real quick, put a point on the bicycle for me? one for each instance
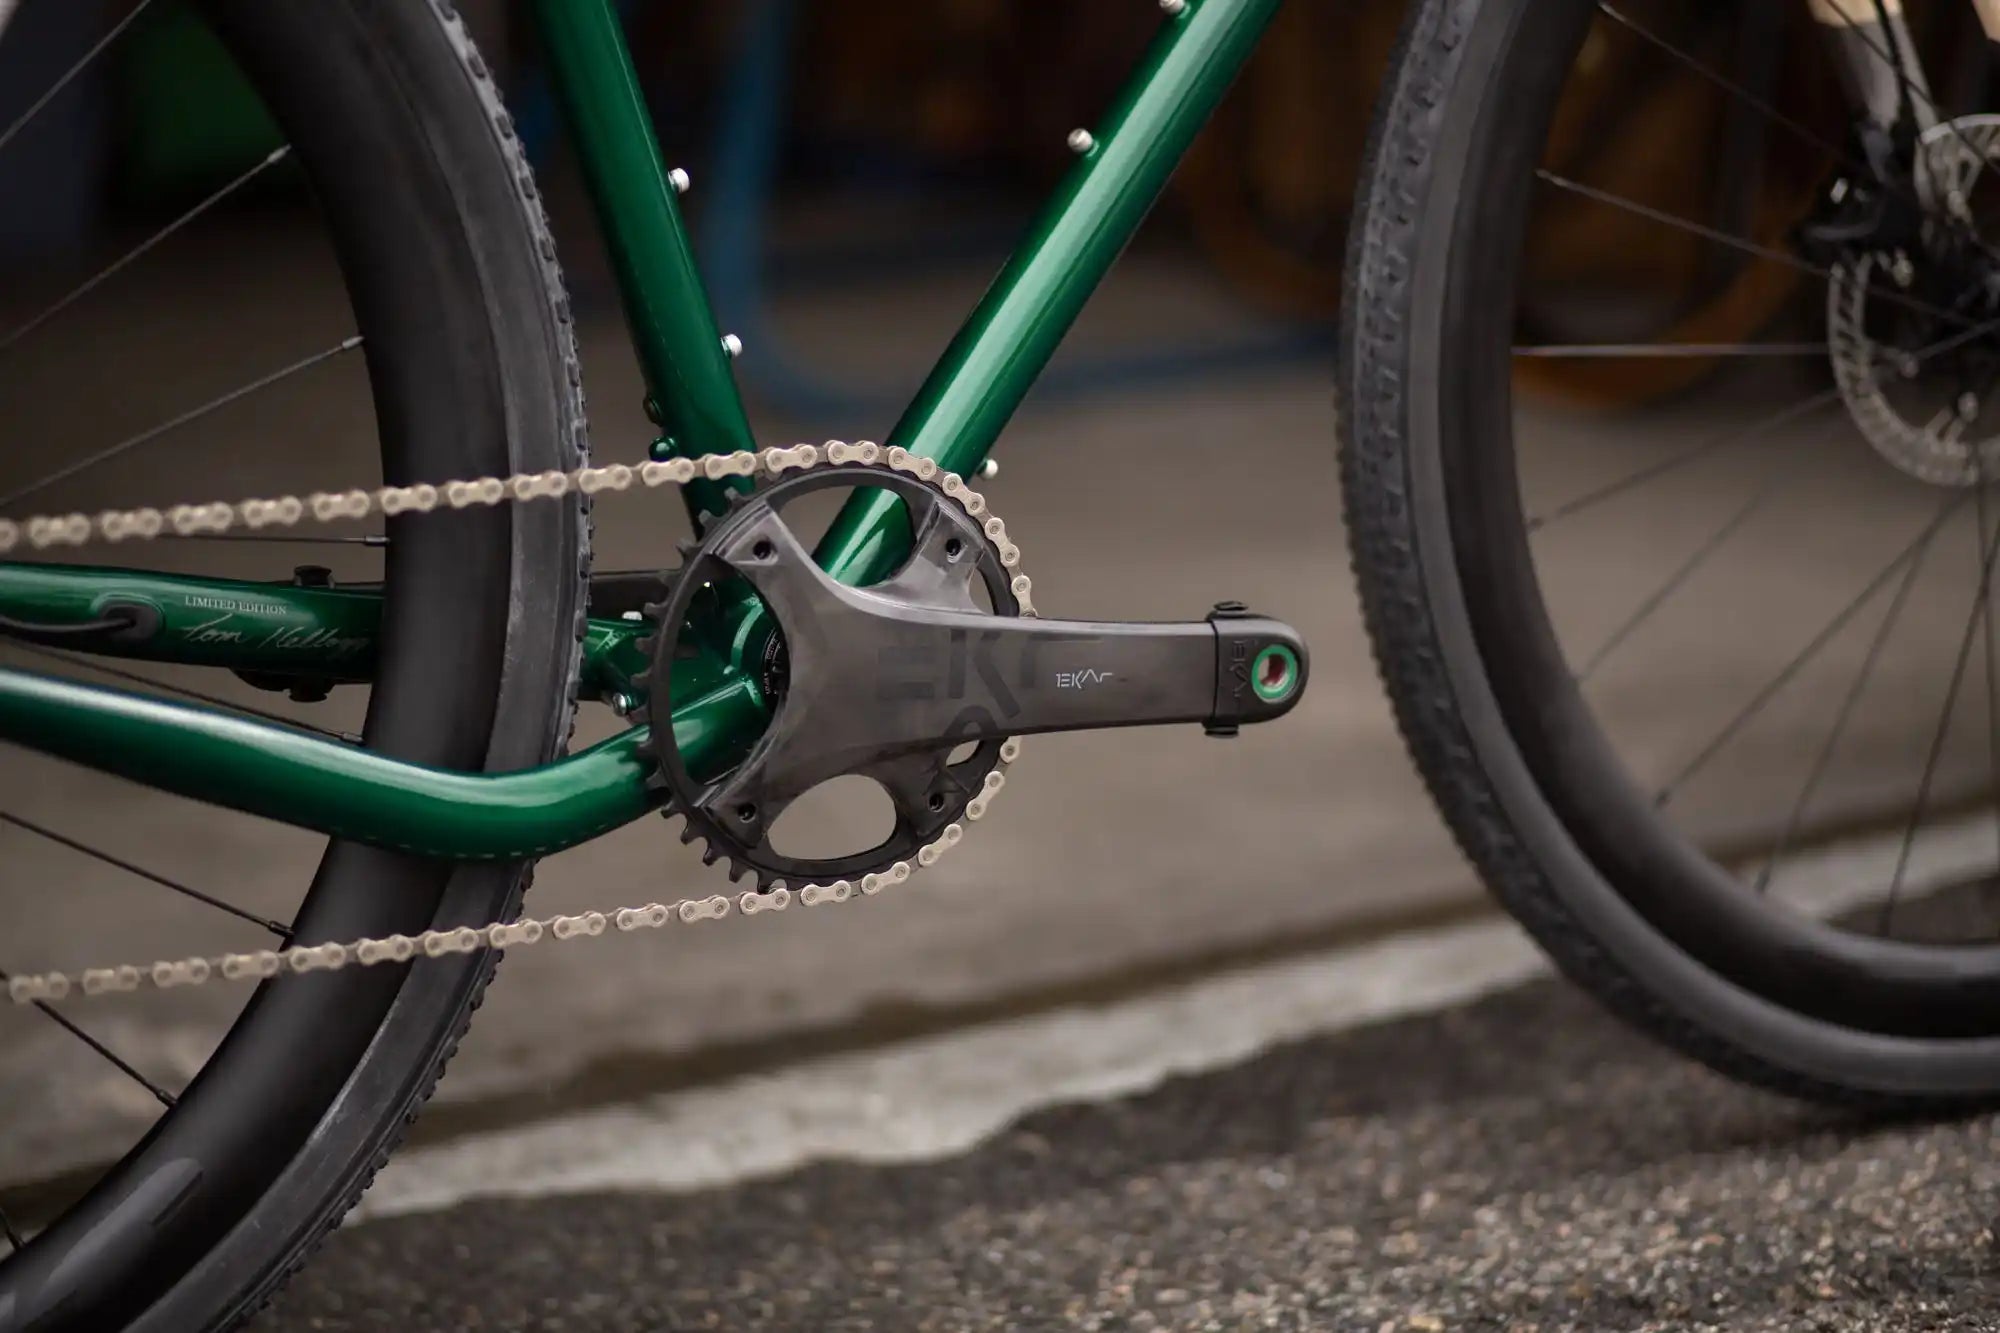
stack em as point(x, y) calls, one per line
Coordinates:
point(904, 647)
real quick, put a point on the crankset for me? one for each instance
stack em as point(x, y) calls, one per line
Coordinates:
point(923, 682)
point(920, 680)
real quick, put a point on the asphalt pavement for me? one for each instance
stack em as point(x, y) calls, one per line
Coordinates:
point(1519, 1163)
point(1513, 1164)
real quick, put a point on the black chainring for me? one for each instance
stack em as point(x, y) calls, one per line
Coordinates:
point(929, 792)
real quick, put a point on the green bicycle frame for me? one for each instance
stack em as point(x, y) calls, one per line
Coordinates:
point(327, 635)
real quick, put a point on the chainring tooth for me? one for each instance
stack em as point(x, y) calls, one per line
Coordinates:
point(756, 857)
point(774, 890)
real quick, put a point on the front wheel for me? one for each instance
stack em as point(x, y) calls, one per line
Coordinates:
point(1653, 665)
point(408, 229)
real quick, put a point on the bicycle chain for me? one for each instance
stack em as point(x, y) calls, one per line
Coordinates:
point(142, 524)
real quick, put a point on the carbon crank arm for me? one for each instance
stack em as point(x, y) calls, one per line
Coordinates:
point(959, 677)
point(873, 675)
point(885, 680)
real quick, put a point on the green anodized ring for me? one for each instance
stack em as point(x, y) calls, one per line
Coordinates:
point(1275, 673)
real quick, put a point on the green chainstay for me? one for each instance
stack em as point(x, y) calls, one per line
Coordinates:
point(141, 524)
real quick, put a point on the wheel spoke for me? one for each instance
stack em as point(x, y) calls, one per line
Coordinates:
point(1911, 89)
point(1989, 546)
point(69, 1025)
point(1730, 86)
point(1797, 127)
point(1734, 242)
point(193, 414)
point(1771, 487)
point(89, 664)
point(1859, 685)
point(1636, 351)
point(1992, 672)
point(1826, 634)
point(1759, 430)
point(41, 831)
point(103, 275)
point(1955, 341)
point(1702, 448)
point(69, 75)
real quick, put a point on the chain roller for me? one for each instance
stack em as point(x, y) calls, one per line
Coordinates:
point(143, 524)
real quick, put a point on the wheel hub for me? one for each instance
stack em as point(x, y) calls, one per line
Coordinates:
point(1907, 332)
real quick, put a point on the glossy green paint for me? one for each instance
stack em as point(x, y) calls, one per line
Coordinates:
point(345, 791)
point(274, 628)
point(959, 413)
point(692, 389)
point(1001, 350)
point(719, 713)
point(613, 660)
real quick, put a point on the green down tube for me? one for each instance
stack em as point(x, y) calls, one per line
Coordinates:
point(1004, 345)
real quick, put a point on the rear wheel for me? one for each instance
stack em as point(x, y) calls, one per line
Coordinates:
point(457, 305)
point(1652, 663)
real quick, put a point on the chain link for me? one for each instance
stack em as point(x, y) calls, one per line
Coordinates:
point(127, 525)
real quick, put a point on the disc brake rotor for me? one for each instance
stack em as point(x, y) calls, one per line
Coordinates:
point(1915, 395)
